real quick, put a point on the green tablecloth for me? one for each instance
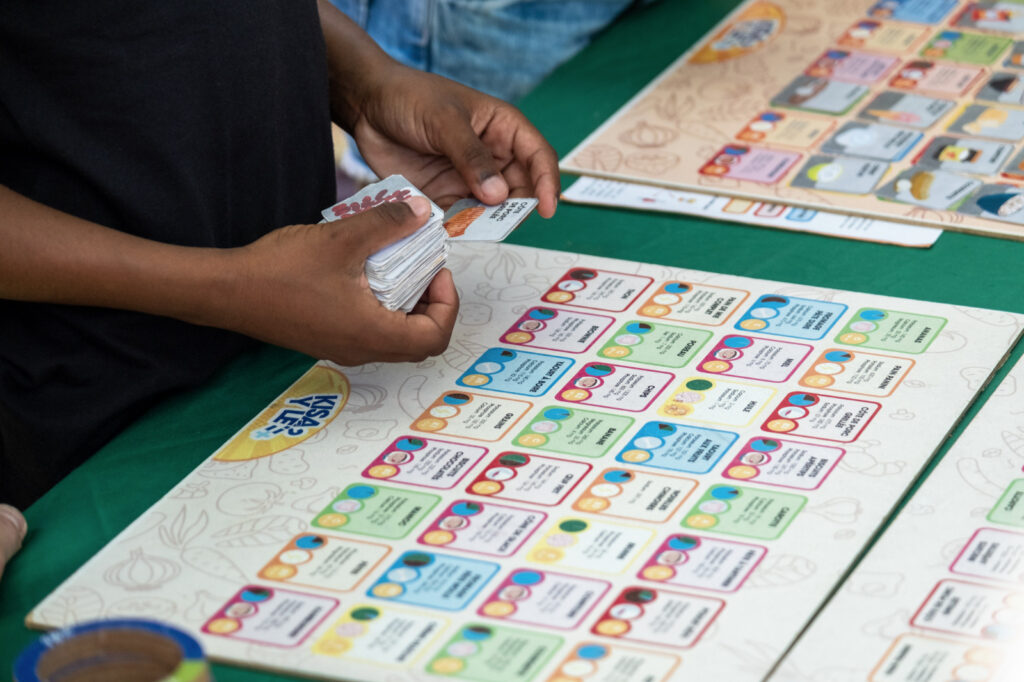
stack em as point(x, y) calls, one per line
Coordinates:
point(74, 520)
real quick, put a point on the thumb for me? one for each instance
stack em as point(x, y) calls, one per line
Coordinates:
point(474, 162)
point(387, 224)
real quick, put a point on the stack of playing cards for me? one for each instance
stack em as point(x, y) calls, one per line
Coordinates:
point(401, 272)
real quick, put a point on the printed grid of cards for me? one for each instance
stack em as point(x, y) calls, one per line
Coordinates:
point(954, 108)
point(755, 398)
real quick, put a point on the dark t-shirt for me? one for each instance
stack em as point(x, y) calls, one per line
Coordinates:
point(193, 122)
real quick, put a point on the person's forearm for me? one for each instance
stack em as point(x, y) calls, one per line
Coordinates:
point(354, 62)
point(51, 256)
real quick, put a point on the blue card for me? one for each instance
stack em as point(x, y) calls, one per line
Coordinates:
point(515, 371)
point(677, 447)
point(798, 318)
point(916, 11)
point(436, 581)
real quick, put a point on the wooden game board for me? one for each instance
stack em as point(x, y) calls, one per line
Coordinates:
point(909, 110)
point(616, 471)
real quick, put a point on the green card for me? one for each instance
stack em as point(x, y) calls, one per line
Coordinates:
point(652, 343)
point(490, 653)
point(748, 512)
point(1009, 510)
point(891, 330)
point(376, 511)
point(966, 48)
point(573, 432)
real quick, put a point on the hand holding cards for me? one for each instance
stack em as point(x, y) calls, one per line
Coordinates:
point(401, 272)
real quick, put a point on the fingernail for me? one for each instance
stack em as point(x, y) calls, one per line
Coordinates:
point(419, 206)
point(494, 186)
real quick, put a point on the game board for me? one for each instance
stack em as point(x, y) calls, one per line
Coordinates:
point(941, 595)
point(617, 471)
point(907, 110)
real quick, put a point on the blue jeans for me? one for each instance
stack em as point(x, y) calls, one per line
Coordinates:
point(502, 47)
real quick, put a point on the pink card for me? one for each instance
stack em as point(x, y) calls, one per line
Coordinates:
point(851, 66)
point(742, 162)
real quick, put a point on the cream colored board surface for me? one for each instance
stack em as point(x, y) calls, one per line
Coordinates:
point(866, 632)
point(210, 535)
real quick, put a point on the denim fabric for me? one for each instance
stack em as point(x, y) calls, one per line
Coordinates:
point(502, 47)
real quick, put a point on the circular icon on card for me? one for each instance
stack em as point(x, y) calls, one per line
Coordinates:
point(382, 471)
point(802, 399)
point(386, 590)
point(677, 287)
point(347, 506)
point(763, 313)
point(753, 325)
point(559, 297)
point(648, 442)
point(701, 521)
point(605, 490)
point(574, 395)
point(863, 326)
point(240, 609)
point(332, 520)
point(447, 665)
point(560, 540)
point(625, 611)
point(672, 557)
point(446, 411)
point(666, 299)
point(852, 338)
point(402, 574)
point(223, 626)
point(792, 412)
point(571, 285)
point(500, 473)
point(397, 457)
point(486, 488)
point(657, 573)
point(715, 366)
point(611, 628)
point(655, 310)
point(780, 425)
point(713, 506)
point(742, 472)
point(518, 337)
point(627, 339)
point(437, 537)
point(294, 556)
point(754, 458)
point(594, 505)
point(577, 669)
point(350, 629)
point(817, 381)
point(635, 456)
point(498, 609)
point(278, 572)
point(532, 440)
point(430, 424)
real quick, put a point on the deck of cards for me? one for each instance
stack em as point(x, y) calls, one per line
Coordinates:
point(400, 272)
